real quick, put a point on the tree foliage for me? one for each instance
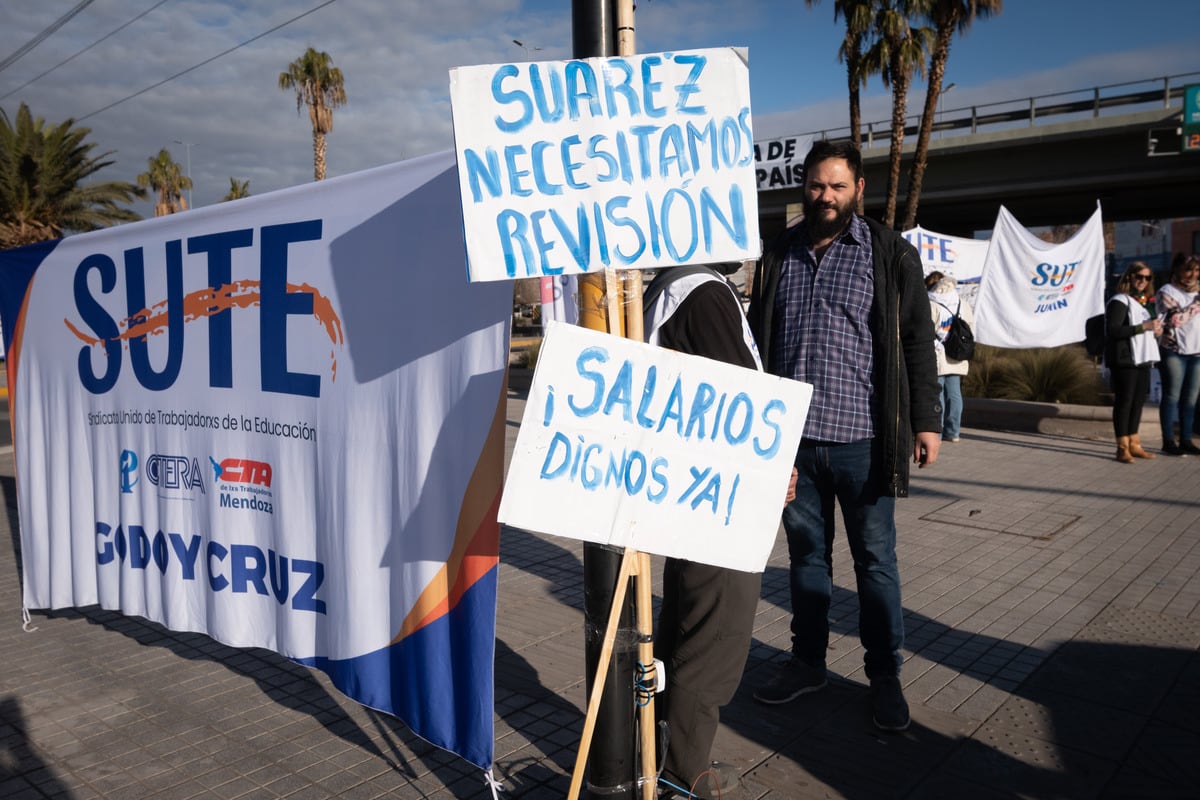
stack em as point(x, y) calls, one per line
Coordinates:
point(898, 51)
point(237, 190)
point(947, 17)
point(319, 85)
point(859, 16)
point(165, 177)
point(44, 193)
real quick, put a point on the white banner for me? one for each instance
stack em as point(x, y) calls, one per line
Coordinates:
point(779, 163)
point(627, 162)
point(278, 421)
point(959, 258)
point(1038, 294)
point(632, 445)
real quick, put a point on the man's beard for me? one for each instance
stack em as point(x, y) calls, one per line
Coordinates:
point(822, 227)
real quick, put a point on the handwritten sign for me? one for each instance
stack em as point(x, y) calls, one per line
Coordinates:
point(631, 162)
point(637, 446)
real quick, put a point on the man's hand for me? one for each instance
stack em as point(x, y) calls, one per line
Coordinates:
point(791, 492)
point(925, 448)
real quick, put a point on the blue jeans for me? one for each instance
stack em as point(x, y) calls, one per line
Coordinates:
point(952, 404)
point(829, 471)
point(1180, 387)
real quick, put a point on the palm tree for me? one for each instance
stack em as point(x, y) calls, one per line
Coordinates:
point(319, 84)
point(42, 190)
point(858, 15)
point(166, 177)
point(947, 16)
point(237, 190)
point(899, 50)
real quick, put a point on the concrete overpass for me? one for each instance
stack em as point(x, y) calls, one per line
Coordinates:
point(1044, 173)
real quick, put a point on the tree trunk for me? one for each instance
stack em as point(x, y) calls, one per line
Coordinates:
point(899, 102)
point(937, 70)
point(853, 65)
point(318, 155)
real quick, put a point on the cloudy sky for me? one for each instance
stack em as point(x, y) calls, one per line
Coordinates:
point(112, 68)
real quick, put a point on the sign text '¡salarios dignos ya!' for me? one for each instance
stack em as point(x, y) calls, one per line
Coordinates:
point(566, 167)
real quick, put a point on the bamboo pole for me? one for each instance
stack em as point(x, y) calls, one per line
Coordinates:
point(628, 566)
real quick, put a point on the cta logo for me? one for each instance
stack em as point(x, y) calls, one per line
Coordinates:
point(128, 467)
point(243, 484)
point(175, 472)
point(241, 470)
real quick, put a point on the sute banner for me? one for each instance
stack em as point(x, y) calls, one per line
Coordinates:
point(628, 162)
point(627, 444)
point(279, 422)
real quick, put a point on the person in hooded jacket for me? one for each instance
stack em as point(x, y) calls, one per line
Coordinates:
point(944, 304)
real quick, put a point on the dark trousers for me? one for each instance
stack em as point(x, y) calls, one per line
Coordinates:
point(1130, 386)
point(704, 625)
point(842, 472)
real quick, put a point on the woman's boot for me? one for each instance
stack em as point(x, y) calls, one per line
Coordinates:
point(1123, 450)
point(1135, 447)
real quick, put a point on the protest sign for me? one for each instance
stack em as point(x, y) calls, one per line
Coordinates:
point(628, 162)
point(279, 422)
point(779, 163)
point(627, 444)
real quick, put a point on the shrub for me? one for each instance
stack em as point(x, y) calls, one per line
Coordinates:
point(530, 355)
point(1041, 374)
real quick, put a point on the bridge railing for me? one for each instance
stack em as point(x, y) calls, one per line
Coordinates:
point(1165, 92)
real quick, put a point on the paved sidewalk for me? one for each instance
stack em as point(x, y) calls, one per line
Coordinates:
point(1053, 604)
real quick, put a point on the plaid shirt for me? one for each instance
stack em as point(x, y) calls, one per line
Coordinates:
point(822, 316)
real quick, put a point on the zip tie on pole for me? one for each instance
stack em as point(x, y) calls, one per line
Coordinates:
point(490, 781)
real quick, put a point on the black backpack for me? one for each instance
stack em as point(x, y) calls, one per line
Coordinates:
point(1093, 335)
point(960, 339)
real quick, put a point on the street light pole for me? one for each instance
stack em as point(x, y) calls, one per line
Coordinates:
point(524, 47)
point(188, 147)
point(941, 103)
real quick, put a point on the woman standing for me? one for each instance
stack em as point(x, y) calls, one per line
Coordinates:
point(1129, 350)
point(944, 304)
point(1179, 307)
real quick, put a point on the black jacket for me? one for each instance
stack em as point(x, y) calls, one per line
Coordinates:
point(906, 388)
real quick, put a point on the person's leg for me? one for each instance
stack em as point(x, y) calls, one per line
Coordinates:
point(871, 533)
point(808, 523)
point(1188, 393)
point(1140, 389)
point(705, 627)
point(952, 402)
point(1122, 380)
point(1171, 371)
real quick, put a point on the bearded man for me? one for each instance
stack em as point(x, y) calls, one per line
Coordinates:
point(839, 302)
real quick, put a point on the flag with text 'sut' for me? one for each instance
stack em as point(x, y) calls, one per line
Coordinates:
point(628, 162)
point(1036, 293)
point(279, 422)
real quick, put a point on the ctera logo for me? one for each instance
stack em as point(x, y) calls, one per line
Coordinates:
point(174, 472)
point(241, 470)
point(129, 465)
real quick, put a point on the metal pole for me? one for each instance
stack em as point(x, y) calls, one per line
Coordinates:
point(612, 758)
